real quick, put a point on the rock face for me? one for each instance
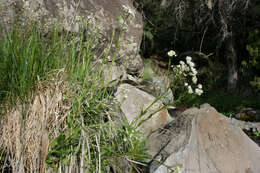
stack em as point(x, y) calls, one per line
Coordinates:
point(6, 16)
point(116, 22)
point(158, 86)
point(112, 73)
point(133, 101)
point(204, 141)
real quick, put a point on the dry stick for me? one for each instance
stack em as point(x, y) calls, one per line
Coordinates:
point(83, 152)
point(89, 156)
point(69, 168)
point(60, 169)
point(99, 153)
point(135, 162)
point(202, 39)
point(22, 140)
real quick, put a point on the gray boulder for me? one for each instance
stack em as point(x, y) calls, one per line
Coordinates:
point(134, 101)
point(203, 140)
point(158, 86)
point(112, 74)
point(115, 22)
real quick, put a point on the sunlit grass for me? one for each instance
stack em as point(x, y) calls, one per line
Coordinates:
point(53, 75)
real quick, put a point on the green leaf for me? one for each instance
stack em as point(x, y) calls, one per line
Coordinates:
point(149, 35)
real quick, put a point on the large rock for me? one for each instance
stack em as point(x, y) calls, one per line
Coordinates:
point(134, 101)
point(203, 140)
point(156, 81)
point(158, 87)
point(110, 19)
point(112, 74)
point(6, 16)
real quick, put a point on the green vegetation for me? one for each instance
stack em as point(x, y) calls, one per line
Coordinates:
point(224, 102)
point(223, 41)
point(252, 64)
point(26, 58)
point(90, 137)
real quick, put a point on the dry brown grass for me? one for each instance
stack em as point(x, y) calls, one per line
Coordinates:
point(26, 130)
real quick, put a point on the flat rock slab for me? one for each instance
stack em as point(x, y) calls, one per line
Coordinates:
point(211, 144)
point(134, 101)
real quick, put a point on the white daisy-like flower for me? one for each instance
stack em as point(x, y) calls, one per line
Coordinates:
point(182, 63)
point(188, 58)
point(190, 91)
point(191, 64)
point(194, 79)
point(171, 53)
point(198, 91)
point(187, 68)
point(183, 67)
point(194, 71)
point(199, 86)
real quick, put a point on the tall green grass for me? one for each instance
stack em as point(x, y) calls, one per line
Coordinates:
point(94, 138)
point(27, 56)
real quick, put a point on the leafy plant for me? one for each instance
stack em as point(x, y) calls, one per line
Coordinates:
point(184, 81)
point(256, 133)
point(252, 64)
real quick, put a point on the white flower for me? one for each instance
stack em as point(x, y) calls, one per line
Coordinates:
point(185, 84)
point(190, 91)
point(187, 68)
point(188, 59)
point(194, 79)
point(181, 62)
point(178, 66)
point(194, 71)
point(191, 64)
point(199, 86)
point(183, 67)
point(198, 91)
point(171, 53)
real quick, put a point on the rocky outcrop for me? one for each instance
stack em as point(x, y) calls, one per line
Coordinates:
point(142, 108)
point(159, 87)
point(204, 141)
point(115, 22)
point(112, 74)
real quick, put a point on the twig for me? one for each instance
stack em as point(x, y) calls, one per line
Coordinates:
point(202, 39)
point(139, 163)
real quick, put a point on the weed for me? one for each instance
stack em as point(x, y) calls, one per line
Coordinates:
point(57, 113)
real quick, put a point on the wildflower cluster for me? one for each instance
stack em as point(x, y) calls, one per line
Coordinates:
point(184, 72)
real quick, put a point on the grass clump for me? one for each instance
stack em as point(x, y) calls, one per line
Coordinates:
point(57, 114)
point(26, 56)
